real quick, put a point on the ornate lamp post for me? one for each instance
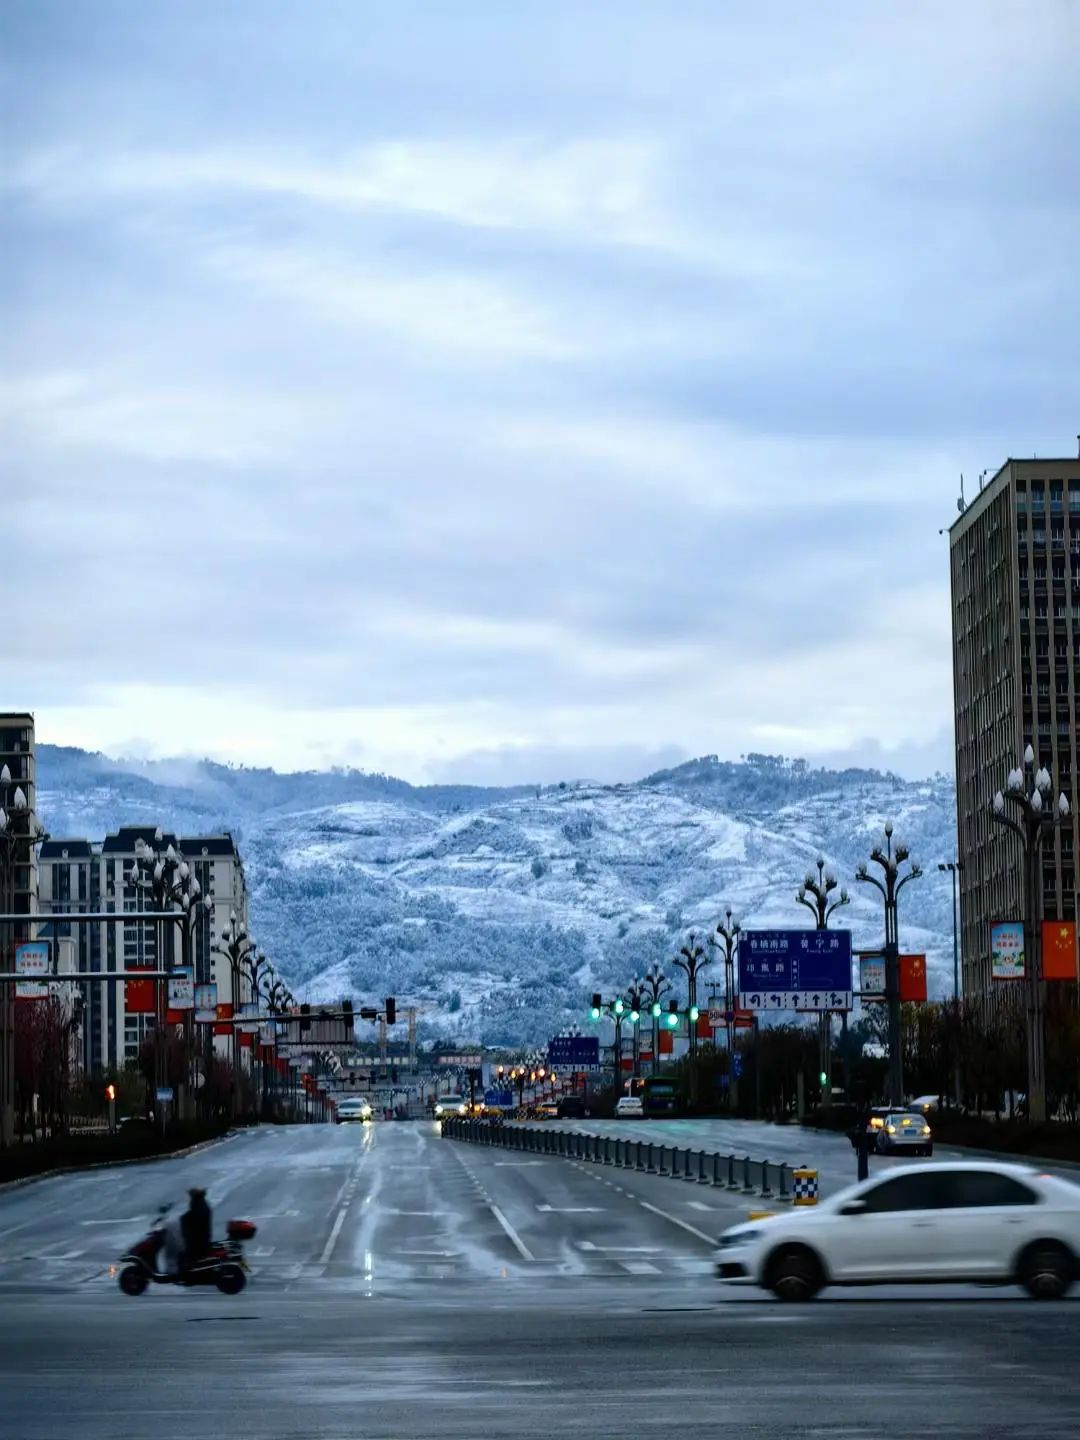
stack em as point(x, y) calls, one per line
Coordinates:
point(655, 985)
point(235, 947)
point(814, 894)
point(692, 959)
point(1025, 808)
point(726, 939)
point(889, 859)
point(636, 998)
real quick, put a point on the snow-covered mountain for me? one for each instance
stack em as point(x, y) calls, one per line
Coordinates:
point(498, 911)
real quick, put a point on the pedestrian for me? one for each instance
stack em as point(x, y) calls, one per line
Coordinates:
point(861, 1136)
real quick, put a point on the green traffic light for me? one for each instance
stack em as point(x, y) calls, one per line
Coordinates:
point(694, 1013)
point(673, 1021)
point(656, 1009)
point(823, 1078)
point(635, 1016)
point(595, 1013)
point(619, 1007)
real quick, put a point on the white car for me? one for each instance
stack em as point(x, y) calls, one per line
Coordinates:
point(355, 1111)
point(447, 1107)
point(629, 1107)
point(986, 1222)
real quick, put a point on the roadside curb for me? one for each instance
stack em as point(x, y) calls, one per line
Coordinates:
point(115, 1164)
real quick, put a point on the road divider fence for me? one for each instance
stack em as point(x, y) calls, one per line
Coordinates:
point(721, 1170)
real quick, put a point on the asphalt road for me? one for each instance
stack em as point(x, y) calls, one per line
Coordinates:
point(408, 1286)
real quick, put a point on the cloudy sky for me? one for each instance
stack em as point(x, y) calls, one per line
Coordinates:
point(515, 391)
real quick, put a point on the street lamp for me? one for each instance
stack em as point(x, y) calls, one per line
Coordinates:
point(814, 894)
point(636, 998)
point(889, 859)
point(655, 985)
point(235, 947)
point(954, 868)
point(1034, 816)
point(692, 959)
point(726, 939)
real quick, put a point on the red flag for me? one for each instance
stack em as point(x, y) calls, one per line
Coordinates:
point(223, 1026)
point(139, 994)
point(667, 1042)
point(913, 978)
point(1059, 949)
point(704, 1029)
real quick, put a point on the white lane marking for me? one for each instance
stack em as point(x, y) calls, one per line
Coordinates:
point(444, 1254)
point(571, 1209)
point(328, 1249)
point(53, 1255)
point(514, 1164)
point(620, 1249)
point(390, 1210)
point(640, 1267)
point(264, 1251)
point(135, 1220)
point(700, 1205)
point(519, 1244)
point(25, 1223)
point(682, 1224)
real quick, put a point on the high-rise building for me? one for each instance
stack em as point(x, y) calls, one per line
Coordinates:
point(77, 875)
point(17, 754)
point(1015, 565)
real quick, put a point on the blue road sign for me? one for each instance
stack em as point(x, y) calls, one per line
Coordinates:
point(579, 1050)
point(795, 970)
point(505, 1098)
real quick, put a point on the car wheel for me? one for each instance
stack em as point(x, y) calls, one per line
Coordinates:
point(1046, 1270)
point(795, 1274)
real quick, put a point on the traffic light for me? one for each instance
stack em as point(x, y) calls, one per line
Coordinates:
point(110, 1092)
point(368, 1012)
point(823, 1078)
point(619, 1007)
point(694, 1013)
point(656, 1008)
point(635, 1016)
point(391, 1010)
point(597, 1005)
point(671, 1019)
point(305, 1019)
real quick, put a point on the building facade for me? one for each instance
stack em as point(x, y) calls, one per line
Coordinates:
point(1015, 574)
point(77, 875)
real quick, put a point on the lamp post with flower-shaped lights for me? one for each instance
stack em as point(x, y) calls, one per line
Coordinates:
point(20, 833)
point(814, 893)
point(1025, 807)
point(889, 858)
point(279, 998)
point(166, 879)
point(258, 969)
point(691, 960)
point(636, 997)
point(655, 985)
point(235, 946)
point(725, 937)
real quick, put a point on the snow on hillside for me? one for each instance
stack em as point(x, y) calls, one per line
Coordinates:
point(499, 911)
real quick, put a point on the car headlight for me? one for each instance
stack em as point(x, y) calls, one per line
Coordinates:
point(740, 1238)
point(890, 1129)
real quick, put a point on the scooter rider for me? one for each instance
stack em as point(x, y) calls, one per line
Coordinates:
point(195, 1224)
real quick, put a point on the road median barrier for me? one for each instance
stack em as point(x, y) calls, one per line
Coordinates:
point(770, 1180)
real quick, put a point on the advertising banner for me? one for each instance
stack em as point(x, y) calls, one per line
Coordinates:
point(268, 1035)
point(182, 988)
point(248, 1018)
point(872, 976)
point(1007, 950)
point(206, 1004)
point(223, 1024)
point(1059, 949)
point(32, 958)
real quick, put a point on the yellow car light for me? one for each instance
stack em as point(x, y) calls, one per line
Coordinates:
point(890, 1129)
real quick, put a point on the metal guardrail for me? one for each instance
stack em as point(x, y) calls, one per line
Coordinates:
point(765, 1179)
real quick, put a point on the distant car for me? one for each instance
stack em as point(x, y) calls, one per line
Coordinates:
point(134, 1124)
point(356, 1112)
point(904, 1133)
point(450, 1107)
point(549, 1110)
point(629, 1107)
point(978, 1221)
point(925, 1103)
point(572, 1107)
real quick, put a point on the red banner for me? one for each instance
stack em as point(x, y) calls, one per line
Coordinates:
point(704, 1029)
point(223, 1025)
point(282, 1067)
point(913, 978)
point(1059, 949)
point(139, 994)
point(667, 1042)
point(246, 1040)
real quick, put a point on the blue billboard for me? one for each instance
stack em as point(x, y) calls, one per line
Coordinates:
point(795, 970)
point(580, 1051)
